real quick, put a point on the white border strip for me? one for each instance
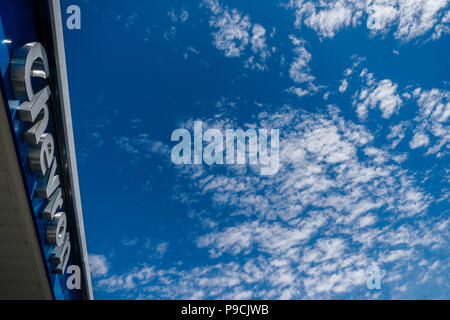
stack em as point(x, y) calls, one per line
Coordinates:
point(60, 56)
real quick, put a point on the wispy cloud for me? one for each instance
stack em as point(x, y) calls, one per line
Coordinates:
point(98, 264)
point(311, 230)
point(234, 34)
point(432, 120)
point(346, 194)
point(377, 94)
point(181, 15)
point(409, 19)
point(129, 242)
point(300, 71)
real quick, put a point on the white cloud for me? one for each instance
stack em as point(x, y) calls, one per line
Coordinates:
point(308, 231)
point(443, 27)
point(382, 95)
point(181, 15)
point(326, 18)
point(419, 140)
point(98, 264)
point(258, 39)
point(428, 123)
point(349, 72)
point(271, 238)
point(190, 51)
point(432, 120)
point(129, 242)
point(343, 86)
point(338, 203)
point(381, 15)
point(161, 248)
point(170, 34)
point(138, 276)
point(232, 36)
point(235, 33)
point(130, 20)
point(142, 145)
point(300, 71)
point(418, 17)
point(396, 255)
point(397, 133)
point(409, 18)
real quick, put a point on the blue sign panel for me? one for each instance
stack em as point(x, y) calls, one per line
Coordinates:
point(35, 137)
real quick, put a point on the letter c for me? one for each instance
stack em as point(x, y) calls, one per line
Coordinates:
point(28, 61)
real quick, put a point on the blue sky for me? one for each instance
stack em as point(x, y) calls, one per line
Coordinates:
point(359, 91)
